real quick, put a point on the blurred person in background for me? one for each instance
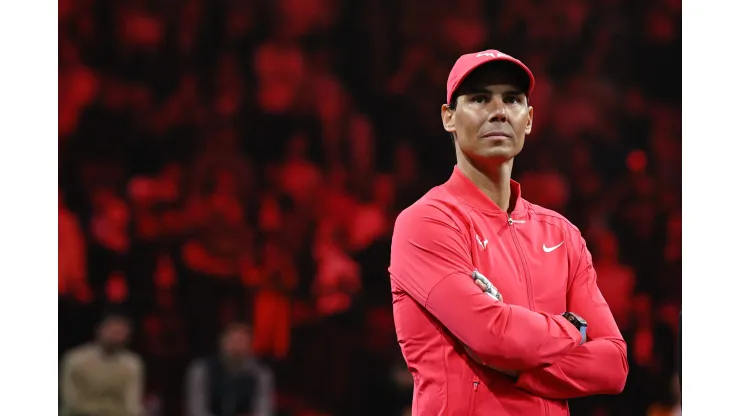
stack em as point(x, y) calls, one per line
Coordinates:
point(103, 378)
point(299, 176)
point(616, 280)
point(276, 280)
point(370, 217)
point(335, 289)
point(164, 341)
point(220, 243)
point(524, 356)
point(652, 352)
point(337, 280)
point(231, 383)
point(110, 242)
point(667, 285)
point(409, 178)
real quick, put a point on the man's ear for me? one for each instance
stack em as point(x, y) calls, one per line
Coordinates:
point(448, 118)
point(530, 117)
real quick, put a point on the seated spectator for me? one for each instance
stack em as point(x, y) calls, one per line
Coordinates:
point(232, 383)
point(103, 378)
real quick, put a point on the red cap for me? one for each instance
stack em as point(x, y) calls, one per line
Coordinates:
point(467, 63)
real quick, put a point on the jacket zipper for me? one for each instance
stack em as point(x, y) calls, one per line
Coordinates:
point(471, 409)
point(530, 294)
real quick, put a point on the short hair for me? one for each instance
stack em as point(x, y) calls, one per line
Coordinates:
point(112, 316)
point(236, 327)
point(453, 100)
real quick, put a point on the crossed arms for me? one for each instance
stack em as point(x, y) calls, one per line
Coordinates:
point(430, 261)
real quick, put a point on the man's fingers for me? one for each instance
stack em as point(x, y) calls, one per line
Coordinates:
point(485, 285)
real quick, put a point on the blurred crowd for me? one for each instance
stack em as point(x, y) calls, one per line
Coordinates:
point(232, 161)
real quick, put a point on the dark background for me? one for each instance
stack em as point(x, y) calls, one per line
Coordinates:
point(225, 160)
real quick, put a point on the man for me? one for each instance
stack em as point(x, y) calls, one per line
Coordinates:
point(231, 384)
point(470, 352)
point(103, 378)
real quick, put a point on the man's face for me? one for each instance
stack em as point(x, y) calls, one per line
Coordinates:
point(114, 333)
point(236, 344)
point(492, 114)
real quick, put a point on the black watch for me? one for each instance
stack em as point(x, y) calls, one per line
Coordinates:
point(577, 322)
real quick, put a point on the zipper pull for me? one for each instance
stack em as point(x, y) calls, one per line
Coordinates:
point(511, 221)
point(475, 385)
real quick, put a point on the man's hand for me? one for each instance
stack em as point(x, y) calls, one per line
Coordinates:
point(486, 286)
point(481, 285)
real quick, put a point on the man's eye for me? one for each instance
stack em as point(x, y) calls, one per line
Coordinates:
point(512, 99)
point(480, 99)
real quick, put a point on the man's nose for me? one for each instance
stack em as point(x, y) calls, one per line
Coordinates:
point(497, 110)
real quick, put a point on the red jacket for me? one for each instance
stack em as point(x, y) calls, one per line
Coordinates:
point(540, 264)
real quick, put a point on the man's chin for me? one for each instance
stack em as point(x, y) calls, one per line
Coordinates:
point(498, 154)
point(112, 349)
point(499, 148)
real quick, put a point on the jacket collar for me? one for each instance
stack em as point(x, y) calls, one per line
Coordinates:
point(462, 188)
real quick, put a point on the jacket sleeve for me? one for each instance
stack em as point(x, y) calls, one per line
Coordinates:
point(599, 366)
point(430, 262)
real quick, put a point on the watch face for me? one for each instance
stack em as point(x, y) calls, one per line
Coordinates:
point(576, 319)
